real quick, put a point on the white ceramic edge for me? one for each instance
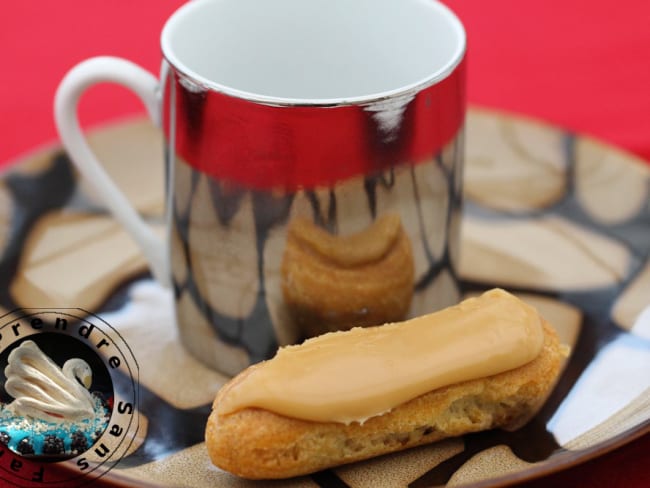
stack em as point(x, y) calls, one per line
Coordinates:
point(432, 79)
point(142, 83)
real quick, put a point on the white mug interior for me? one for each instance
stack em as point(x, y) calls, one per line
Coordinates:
point(314, 51)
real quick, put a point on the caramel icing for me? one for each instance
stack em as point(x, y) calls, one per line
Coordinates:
point(363, 372)
point(354, 250)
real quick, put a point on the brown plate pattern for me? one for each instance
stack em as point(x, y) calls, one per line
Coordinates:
point(561, 220)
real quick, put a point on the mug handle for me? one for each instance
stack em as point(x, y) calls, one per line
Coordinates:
point(145, 85)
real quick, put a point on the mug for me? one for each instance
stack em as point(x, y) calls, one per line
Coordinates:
point(313, 156)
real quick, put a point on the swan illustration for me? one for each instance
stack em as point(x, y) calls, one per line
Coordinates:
point(43, 390)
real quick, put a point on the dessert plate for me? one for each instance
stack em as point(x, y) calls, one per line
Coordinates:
point(563, 221)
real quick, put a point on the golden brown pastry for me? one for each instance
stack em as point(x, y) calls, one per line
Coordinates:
point(495, 357)
point(332, 282)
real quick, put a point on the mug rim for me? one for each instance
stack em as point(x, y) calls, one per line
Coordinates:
point(432, 79)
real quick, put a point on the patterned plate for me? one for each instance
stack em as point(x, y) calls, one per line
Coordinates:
point(561, 220)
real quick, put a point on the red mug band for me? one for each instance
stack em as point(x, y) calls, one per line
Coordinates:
point(264, 146)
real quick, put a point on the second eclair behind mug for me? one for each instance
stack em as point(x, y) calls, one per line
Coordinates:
point(314, 154)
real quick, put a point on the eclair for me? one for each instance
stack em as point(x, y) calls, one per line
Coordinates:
point(333, 282)
point(487, 362)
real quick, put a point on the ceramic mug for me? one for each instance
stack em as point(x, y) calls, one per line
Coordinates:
point(314, 153)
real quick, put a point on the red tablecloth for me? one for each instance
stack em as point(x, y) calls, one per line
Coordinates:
point(582, 64)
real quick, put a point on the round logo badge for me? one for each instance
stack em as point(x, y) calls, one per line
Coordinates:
point(68, 397)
